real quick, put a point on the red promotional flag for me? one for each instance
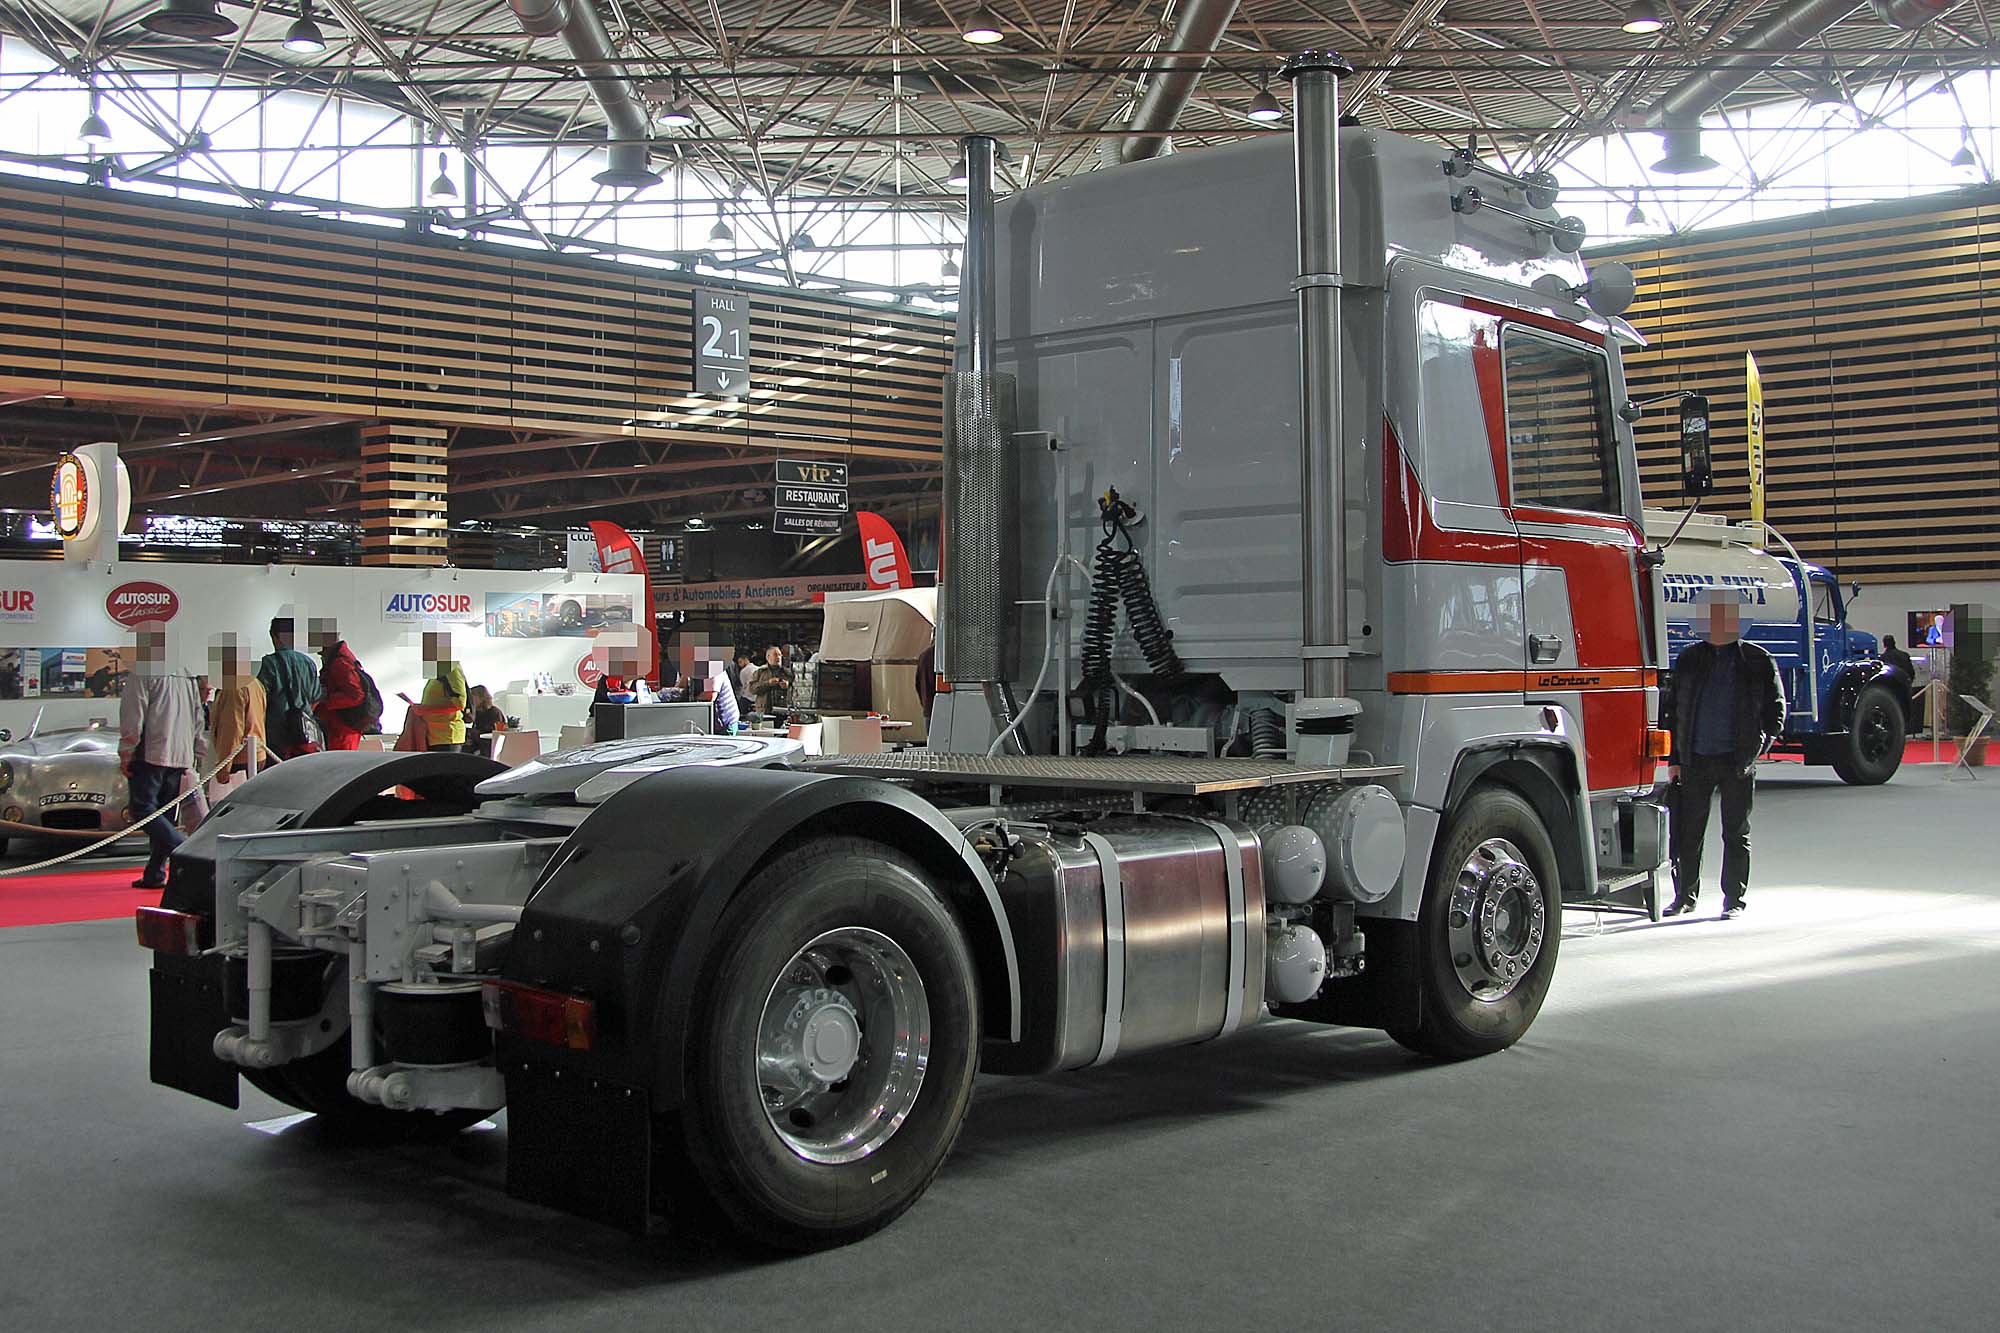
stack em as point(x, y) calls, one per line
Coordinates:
point(617, 553)
point(882, 557)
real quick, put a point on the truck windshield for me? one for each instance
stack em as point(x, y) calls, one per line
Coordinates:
point(1558, 424)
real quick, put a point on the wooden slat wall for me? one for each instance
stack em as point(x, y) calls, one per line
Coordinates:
point(1879, 345)
point(122, 297)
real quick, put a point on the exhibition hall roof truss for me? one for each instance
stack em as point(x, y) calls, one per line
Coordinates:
point(794, 135)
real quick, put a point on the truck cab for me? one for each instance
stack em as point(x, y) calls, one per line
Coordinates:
point(1845, 706)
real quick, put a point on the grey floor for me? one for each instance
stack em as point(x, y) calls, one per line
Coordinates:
point(1790, 1121)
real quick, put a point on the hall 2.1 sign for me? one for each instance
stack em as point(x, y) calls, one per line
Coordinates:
point(721, 342)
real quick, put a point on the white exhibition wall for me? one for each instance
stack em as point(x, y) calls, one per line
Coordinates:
point(506, 626)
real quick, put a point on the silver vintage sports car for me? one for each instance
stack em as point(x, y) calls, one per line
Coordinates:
point(63, 784)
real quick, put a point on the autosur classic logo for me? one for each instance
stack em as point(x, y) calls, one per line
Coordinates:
point(431, 607)
point(133, 604)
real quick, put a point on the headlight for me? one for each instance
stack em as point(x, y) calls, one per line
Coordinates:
point(6, 775)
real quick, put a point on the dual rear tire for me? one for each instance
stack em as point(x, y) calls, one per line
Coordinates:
point(835, 1039)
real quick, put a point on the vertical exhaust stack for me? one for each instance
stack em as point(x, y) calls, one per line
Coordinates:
point(1322, 717)
point(975, 639)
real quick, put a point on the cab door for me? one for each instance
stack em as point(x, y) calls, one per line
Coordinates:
point(1569, 490)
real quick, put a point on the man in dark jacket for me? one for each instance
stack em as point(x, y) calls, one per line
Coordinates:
point(1906, 677)
point(291, 688)
point(1726, 705)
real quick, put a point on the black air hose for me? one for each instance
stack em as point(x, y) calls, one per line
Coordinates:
point(1156, 641)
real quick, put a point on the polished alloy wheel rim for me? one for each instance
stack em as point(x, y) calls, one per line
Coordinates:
point(842, 1045)
point(1497, 920)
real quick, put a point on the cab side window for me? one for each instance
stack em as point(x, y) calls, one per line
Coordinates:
point(1826, 610)
point(1561, 449)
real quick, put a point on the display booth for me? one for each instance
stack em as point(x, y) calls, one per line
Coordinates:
point(889, 632)
point(66, 629)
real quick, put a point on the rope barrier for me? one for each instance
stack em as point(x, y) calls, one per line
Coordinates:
point(125, 832)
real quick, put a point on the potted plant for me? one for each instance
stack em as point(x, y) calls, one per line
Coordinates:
point(1971, 674)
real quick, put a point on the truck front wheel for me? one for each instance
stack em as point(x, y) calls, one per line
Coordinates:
point(836, 1036)
point(1872, 749)
point(1487, 930)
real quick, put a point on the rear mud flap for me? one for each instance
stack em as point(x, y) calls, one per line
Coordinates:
point(188, 1010)
point(580, 1144)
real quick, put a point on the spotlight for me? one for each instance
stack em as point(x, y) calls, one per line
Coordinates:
point(982, 29)
point(679, 111)
point(1642, 18)
point(1265, 108)
point(1684, 156)
point(1826, 89)
point(94, 131)
point(959, 176)
point(304, 36)
point(804, 241)
point(442, 188)
point(188, 18)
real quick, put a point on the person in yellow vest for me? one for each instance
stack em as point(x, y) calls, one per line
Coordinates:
point(442, 706)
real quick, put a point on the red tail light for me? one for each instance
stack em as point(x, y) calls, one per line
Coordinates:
point(164, 931)
point(540, 1015)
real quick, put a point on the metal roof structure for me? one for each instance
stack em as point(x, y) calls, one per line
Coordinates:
point(832, 104)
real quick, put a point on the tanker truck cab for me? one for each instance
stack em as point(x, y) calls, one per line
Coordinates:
point(1845, 706)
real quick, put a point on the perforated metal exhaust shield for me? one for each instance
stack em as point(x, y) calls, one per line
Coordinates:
point(979, 581)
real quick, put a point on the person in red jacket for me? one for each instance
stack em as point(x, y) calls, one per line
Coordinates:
point(340, 689)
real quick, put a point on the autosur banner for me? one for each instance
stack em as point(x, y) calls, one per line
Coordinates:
point(883, 559)
point(617, 553)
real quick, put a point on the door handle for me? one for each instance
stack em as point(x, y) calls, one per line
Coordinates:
point(1544, 648)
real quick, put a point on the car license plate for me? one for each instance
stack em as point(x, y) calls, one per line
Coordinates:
point(74, 798)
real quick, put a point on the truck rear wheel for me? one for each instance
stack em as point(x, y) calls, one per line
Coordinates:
point(1487, 930)
point(835, 1038)
point(1872, 750)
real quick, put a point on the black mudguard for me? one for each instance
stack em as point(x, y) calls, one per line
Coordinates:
point(627, 915)
point(1847, 687)
point(314, 791)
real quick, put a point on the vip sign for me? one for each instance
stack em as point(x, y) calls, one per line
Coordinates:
point(428, 608)
point(17, 604)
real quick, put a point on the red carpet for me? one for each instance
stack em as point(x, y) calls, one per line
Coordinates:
point(73, 895)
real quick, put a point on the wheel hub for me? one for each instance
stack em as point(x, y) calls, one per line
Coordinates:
point(1497, 920)
point(842, 1045)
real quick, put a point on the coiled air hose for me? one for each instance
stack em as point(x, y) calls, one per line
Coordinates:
point(1118, 576)
point(1267, 734)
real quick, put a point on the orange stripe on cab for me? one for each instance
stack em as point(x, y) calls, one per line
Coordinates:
point(1499, 682)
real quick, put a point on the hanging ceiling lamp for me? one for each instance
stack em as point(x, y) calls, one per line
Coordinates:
point(93, 131)
point(1965, 157)
point(188, 18)
point(950, 266)
point(1637, 217)
point(304, 36)
point(679, 111)
point(1642, 18)
point(442, 188)
point(1264, 108)
point(721, 233)
point(982, 29)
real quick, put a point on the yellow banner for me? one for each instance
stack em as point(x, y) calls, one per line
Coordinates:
point(1753, 387)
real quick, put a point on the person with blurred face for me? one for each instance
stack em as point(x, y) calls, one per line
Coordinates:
point(341, 692)
point(771, 683)
point(291, 689)
point(442, 706)
point(1724, 708)
point(235, 715)
point(157, 719)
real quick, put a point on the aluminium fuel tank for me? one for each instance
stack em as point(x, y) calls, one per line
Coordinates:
point(1133, 933)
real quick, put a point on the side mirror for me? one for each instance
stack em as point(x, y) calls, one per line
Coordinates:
point(1629, 412)
point(1697, 466)
point(1854, 590)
